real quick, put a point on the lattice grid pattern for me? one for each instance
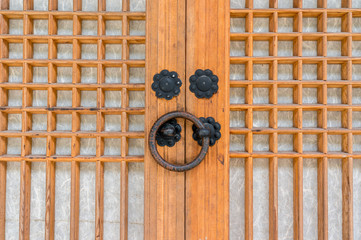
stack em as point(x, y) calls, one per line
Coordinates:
point(295, 118)
point(72, 84)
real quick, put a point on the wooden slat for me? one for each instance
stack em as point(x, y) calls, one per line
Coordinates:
point(273, 198)
point(298, 198)
point(4, 4)
point(50, 201)
point(99, 201)
point(2, 198)
point(164, 190)
point(74, 204)
point(248, 199)
point(347, 199)
point(124, 201)
point(322, 196)
point(24, 212)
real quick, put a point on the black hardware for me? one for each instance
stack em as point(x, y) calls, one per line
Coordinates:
point(169, 133)
point(166, 84)
point(203, 83)
point(213, 132)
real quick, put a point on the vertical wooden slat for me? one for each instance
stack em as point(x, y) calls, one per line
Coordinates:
point(273, 198)
point(99, 200)
point(322, 203)
point(74, 205)
point(50, 201)
point(124, 201)
point(2, 198)
point(248, 199)
point(164, 190)
point(298, 198)
point(347, 199)
point(24, 212)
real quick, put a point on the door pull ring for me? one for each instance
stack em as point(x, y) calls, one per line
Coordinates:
point(163, 130)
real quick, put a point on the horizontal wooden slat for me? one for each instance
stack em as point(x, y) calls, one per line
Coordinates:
point(34, 158)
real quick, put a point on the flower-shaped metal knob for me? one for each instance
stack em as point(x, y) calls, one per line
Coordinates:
point(203, 83)
point(213, 132)
point(166, 84)
point(169, 133)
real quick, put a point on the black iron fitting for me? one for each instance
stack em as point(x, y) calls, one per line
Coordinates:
point(169, 133)
point(211, 130)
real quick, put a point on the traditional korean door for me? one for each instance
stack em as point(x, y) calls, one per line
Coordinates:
point(287, 164)
point(184, 36)
point(89, 88)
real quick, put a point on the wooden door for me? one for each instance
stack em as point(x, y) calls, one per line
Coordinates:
point(288, 73)
point(76, 109)
point(184, 36)
point(72, 107)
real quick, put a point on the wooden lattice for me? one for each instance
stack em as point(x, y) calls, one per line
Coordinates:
point(323, 69)
point(121, 98)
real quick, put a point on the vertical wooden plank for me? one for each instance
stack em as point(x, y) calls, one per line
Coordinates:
point(99, 200)
point(124, 201)
point(298, 198)
point(24, 211)
point(273, 198)
point(164, 190)
point(74, 204)
point(322, 198)
point(249, 199)
point(2, 199)
point(207, 184)
point(347, 199)
point(50, 201)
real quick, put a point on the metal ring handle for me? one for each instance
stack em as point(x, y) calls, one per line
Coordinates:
point(153, 146)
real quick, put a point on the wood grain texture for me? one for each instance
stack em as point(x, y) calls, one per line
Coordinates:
point(50, 201)
point(164, 190)
point(124, 201)
point(347, 199)
point(74, 204)
point(322, 196)
point(2, 199)
point(207, 185)
point(99, 201)
point(248, 199)
point(24, 211)
point(298, 198)
point(273, 198)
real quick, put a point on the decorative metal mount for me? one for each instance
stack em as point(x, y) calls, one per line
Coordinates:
point(166, 84)
point(169, 133)
point(153, 146)
point(213, 132)
point(203, 83)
